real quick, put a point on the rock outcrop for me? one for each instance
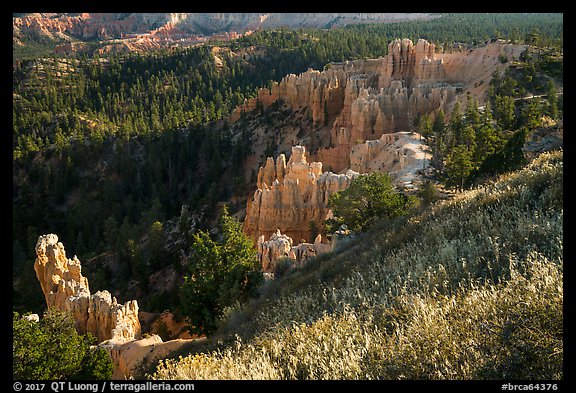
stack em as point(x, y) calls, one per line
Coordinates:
point(291, 195)
point(403, 155)
point(84, 26)
point(548, 137)
point(271, 250)
point(66, 289)
point(128, 357)
point(116, 326)
point(281, 246)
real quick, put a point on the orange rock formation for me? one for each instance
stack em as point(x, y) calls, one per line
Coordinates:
point(363, 99)
point(66, 289)
point(290, 195)
point(362, 111)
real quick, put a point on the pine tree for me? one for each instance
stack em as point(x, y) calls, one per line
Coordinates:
point(220, 274)
point(468, 138)
point(456, 126)
point(472, 113)
point(458, 165)
point(487, 138)
point(551, 92)
point(425, 126)
point(531, 114)
point(504, 111)
point(155, 246)
point(438, 144)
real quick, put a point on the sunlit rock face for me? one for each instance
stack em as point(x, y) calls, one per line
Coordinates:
point(66, 289)
point(362, 100)
point(291, 195)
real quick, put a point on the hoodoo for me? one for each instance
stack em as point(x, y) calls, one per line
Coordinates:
point(363, 113)
point(364, 99)
point(66, 289)
point(291, 195)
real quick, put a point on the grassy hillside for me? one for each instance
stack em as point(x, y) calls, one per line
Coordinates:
point(468, 289)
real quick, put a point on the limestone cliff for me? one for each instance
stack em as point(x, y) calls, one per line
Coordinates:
point(291, 195)
point(66, 289)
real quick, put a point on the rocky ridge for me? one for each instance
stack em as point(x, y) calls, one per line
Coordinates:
point(127, 32)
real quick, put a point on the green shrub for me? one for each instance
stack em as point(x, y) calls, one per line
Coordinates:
point(220, 274)
point(369, 198)
point(52, 349)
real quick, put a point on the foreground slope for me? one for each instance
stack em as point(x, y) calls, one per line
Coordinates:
point(468, 289)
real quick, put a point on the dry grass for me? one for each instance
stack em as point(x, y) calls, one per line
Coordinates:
point(470, 289)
